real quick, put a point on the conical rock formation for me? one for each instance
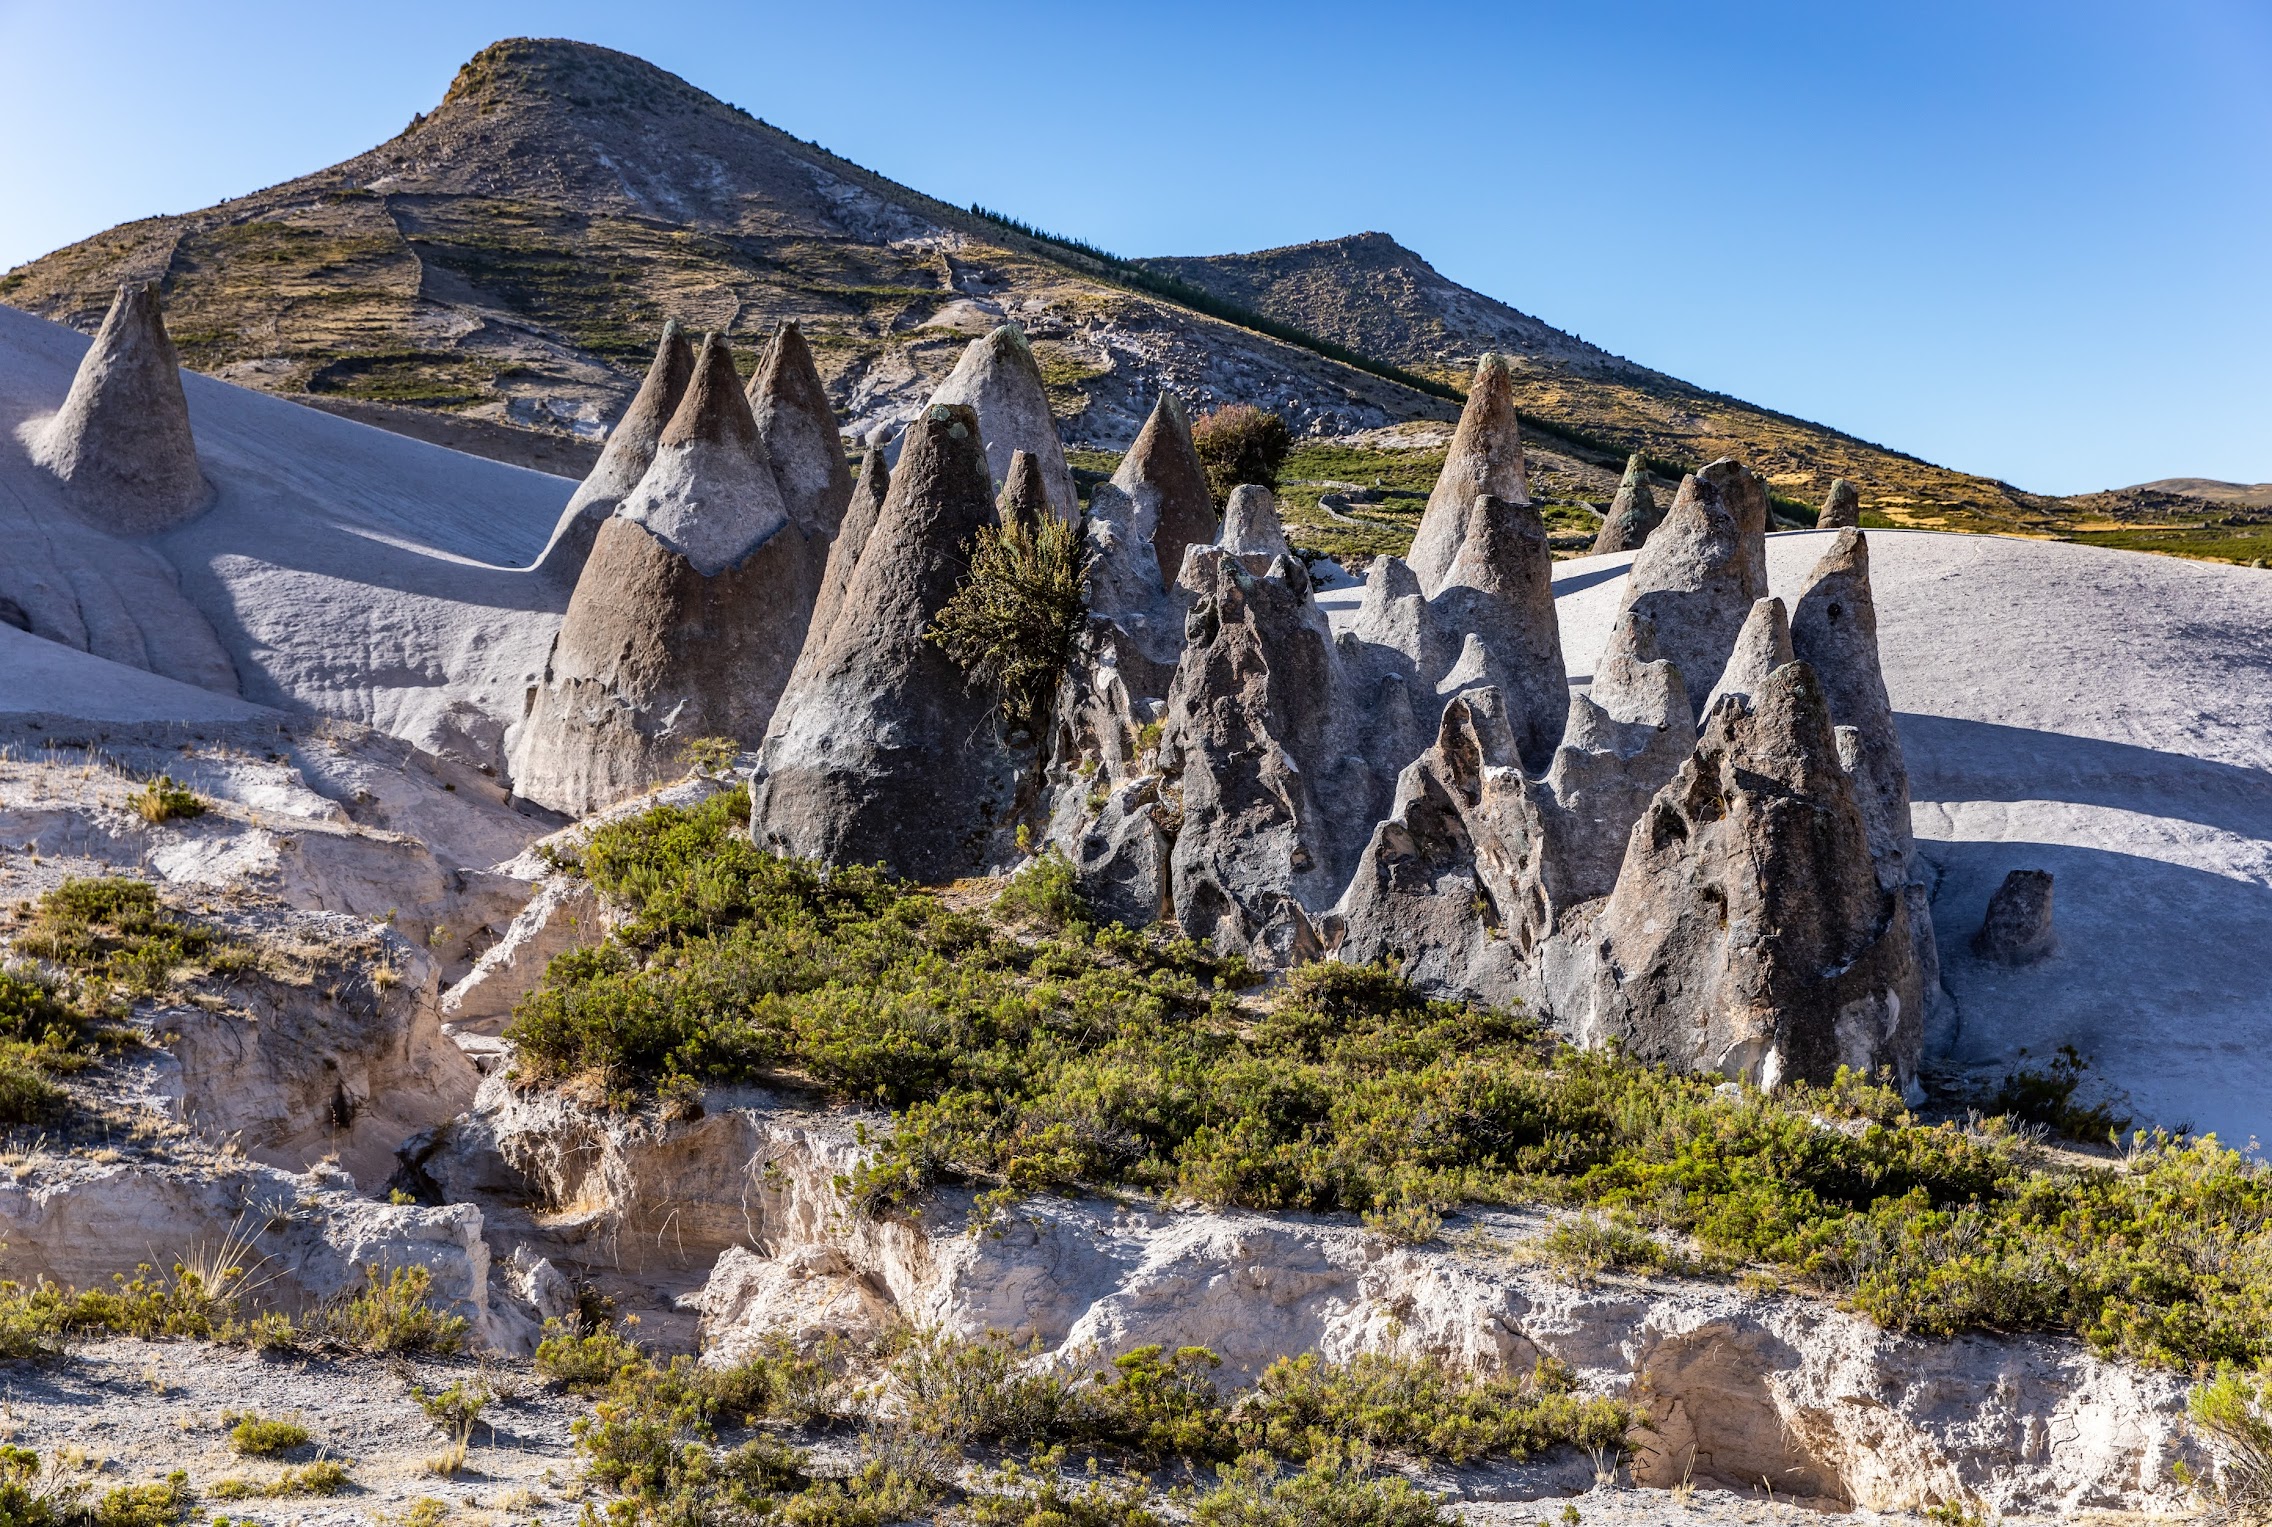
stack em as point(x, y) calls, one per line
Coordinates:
point(1694, 584)
point(121, 443)
point(1748, 935)
point(1633, 513)
point(998, 377)
point(629, 451)
point(1620, 744)
point(1454, 862)
point(1835, 630)
point(1486, 457)
point(1499, 590)
point(883, 752)
point(790, 407)
point(710, 495)
point(1252, 531)
point(1841, 507)
point(1162, 472)
point(687, 619)
point(1762, 646)
point(1025, 496)
point(1744, 494)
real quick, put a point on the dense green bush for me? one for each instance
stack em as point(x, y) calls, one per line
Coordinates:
point(1060, 1061)
point(1240, 444)
point(1011, 625)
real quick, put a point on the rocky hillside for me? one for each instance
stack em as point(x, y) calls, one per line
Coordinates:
point(512, 254)
point(503, 265)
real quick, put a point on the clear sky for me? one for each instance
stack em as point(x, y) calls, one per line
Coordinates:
point(2027, 239)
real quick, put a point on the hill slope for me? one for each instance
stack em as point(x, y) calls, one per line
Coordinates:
point(506, 261)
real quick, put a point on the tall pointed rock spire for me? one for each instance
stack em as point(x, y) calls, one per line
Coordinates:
point(121, 443)
point(790, 405)
point(1486, 457)
point(1694, 583)
point(1841, 507)
point(1633, 513)
point(999, 378)
point(688, 617)
point(629, 451)
point(710, 494)
point(883, 752)
point(1025, 496)
point(1163, 466)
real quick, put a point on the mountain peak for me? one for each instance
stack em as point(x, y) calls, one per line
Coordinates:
point(526, 70)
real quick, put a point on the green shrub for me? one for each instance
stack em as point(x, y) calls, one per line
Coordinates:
point(1240, 444)
point(1304, 1407)
point(1339, 1491)
point(254, 1436)
point(326, 1476)
point(2234, 1406)
point(1042, 894)
point(586, 1362)
point(1035, 1494)
point(115, 936)
point(959, 1391)
point(161, 1503)
point(388, 1316)
point(455, 1411)
point(1154, 1403)
point(1010, 627)
point(876, 1496)
point(161, 800)
point(1587, 1244)
point(2046, 1096)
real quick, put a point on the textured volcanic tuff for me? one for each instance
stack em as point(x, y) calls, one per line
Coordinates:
point(881, 753)
point(630, 450)
point(121, 444)
point(687, 619)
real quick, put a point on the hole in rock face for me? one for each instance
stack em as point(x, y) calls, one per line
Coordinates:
point(1714, 1421)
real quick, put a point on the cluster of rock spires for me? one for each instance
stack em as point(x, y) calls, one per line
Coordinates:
point(1706, 857)
point(733, 581)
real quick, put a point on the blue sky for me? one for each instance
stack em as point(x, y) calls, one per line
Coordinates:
point(2027, 239)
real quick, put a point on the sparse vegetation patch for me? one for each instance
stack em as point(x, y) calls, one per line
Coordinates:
point(1070, 1059)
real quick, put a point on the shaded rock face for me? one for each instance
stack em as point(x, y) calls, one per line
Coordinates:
point(629, 451)
point(790, 408)
point(1744, 493)
point(710, 494)
point(1841, 507)
point(1025, 496)
point(1695, 584)
point(1499, 590)
point(121, 444)
point(2017, 928)
point(860, 515)
point(1835, 630)
point(1486, 457)
point(1252, 531)
point(1249, 743)
point(1633, 513)
point(653, 654)
point(1762, 646)
point(688, 618)
point(1747, 934)
point(882, 753)
point(1620, 745)
point(1162, 472)
point(998, 377)
point(1456, 860)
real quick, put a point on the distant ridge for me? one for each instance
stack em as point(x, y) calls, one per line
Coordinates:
point(506, 262)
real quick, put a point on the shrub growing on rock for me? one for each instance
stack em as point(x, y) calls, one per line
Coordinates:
point(1240, 444)
point(1011, 625)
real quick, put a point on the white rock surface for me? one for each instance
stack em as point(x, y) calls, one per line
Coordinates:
point(340, 569)
point(1740, 1387)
